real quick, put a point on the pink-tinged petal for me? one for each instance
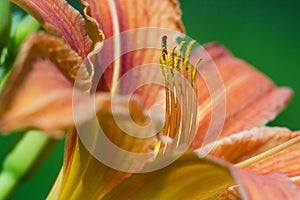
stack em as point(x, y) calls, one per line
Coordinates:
point(40, 87)
point(60, 19)
point(255, 186)
point(252, 99)
point(261, 187)
point(117, 16)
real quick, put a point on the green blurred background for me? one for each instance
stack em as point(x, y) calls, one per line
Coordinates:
point(266, 33)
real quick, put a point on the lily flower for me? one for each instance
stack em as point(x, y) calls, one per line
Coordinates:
point(52, 73)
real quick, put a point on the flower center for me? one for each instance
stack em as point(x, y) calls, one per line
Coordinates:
point(181, 96)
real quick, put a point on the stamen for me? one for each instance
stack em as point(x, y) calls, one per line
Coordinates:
point(194, 73)
point(163, 58)
point(181, 102)
point(186, 61)
point(179, 57)
point(156, 149)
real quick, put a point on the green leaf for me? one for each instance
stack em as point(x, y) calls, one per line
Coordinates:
point(5, 22)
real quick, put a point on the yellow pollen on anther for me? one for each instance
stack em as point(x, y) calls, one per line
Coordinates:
point(181, 98)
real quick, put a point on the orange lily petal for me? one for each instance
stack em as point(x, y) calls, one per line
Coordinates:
point(40, 87)
point(252, 99)
point(94, 31)
point(259, 113)
point(60, 19)
point(297, 182)
point(135, 14)
point(117, 16)
point(247, 144)
point(244, 145)
point(286, 161)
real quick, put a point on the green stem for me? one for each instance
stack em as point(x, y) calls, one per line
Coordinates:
point(21, 160)
point(7, 184)
point(5, 22)
point(27, 152)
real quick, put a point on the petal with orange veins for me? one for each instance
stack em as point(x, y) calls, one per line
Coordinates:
point(286, 161)
point(39, 93)
point(248, 144)
point(250, 97)
point(144, 22)
point(131, 14)
point(259, 113)
point(60, 19)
